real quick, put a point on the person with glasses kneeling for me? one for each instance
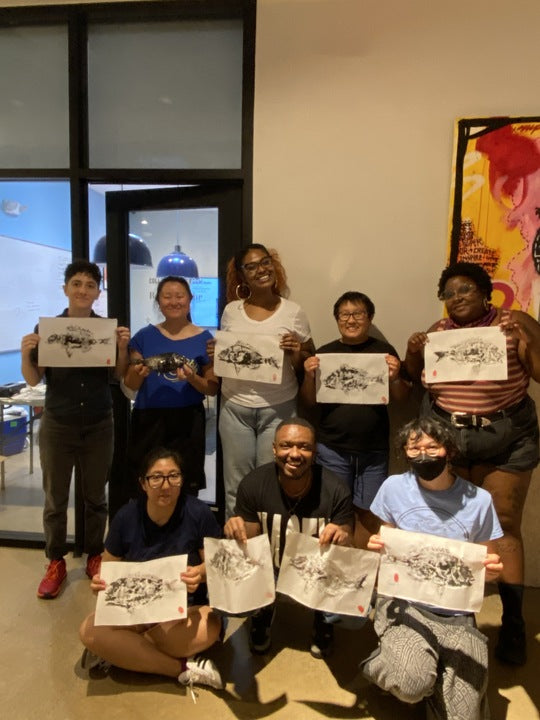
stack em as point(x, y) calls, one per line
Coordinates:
point(426, 652)
point(164, 521)
point(494, 424)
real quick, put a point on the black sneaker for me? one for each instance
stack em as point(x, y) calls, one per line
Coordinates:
point(96, 666)
point(512, 645)
point(260, 637)
point(322, 637)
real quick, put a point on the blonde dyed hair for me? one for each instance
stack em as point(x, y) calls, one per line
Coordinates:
point(235, 276)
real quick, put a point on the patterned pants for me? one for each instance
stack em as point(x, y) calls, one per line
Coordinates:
point(423, 655)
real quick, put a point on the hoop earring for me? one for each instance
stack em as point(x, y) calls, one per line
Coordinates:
point(240, 287)
point(486, 304)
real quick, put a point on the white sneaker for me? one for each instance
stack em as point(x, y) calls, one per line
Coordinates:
point(201, 671)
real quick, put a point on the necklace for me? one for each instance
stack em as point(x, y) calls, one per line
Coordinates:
point(293, 502)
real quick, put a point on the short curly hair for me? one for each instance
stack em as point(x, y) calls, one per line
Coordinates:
point(85, 267)
point(469, 270)
point(427, 425)
point(234, 272)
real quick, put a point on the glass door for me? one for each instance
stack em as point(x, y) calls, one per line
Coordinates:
point(183, 231)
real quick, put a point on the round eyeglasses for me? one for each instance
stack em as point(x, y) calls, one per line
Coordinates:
point(430, 452)
point(251, 268)
point(156, 480)
point(355, 314)
point(461, 291)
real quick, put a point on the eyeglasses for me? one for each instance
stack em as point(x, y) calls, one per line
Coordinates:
point(251, 267)
point(356, 314)
point(461, 291)
point(430, 452)
point(157, 479)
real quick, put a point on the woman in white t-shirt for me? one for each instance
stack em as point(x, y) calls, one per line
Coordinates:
point(250, 411)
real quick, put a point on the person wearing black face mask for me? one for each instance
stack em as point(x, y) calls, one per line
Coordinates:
point(427, 653)
point(428, 468)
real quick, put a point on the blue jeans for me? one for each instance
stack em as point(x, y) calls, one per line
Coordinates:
point(247, 435)
point(362, 472)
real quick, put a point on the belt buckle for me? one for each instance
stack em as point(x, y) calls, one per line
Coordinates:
point(458, 419)
point(468, 420)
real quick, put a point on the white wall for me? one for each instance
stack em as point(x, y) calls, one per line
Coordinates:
point(355, 103)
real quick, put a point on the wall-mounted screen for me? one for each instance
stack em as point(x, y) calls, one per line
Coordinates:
point(31, 278)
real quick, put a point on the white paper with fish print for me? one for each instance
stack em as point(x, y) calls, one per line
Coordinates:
point(359, 378)
point(242, 356)
point(77, 342)
point(432, 570)
point(240, 577)
point(327, 577)
point(142, 592)
point(466, 354)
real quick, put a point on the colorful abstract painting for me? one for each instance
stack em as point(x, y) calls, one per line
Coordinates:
point(495, 213)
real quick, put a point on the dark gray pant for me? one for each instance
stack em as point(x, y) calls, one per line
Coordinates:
point(61, 447)
point(423, 655)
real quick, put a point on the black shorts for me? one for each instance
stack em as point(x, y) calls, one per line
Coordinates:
point(509, 443)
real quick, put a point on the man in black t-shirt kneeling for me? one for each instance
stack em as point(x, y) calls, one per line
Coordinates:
point(292, 494)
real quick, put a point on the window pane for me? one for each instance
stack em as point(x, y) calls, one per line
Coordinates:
point(35, 242)
point(165, 95)
point(97, 222)
point(180, 242)
point(34, 118)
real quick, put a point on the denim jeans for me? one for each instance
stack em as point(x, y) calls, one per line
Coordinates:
point(247, 435)
point(61, 448)
point(362, 472)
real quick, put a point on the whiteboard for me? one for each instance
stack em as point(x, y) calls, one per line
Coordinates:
point(31, 278)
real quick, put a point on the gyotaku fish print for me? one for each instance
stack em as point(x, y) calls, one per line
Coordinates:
point(476, 352)
point(233, 563)
point(349, 379)
point(434, 564)
point(315, 570)
point(240, 576)
point(77, 342)
point(142, 592)
point(256, 358)
point(77, 339)
point(332, 578)
point(464, 354)
point(436, 571)
point(354, 378)
point(135, 590)
point(244, 356)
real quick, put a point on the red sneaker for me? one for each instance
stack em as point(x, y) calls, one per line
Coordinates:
point(93, 565)
point(52, 581)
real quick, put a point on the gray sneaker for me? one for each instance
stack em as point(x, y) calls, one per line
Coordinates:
point(89, 662)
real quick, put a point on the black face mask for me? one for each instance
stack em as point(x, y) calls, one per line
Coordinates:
point(428, 468)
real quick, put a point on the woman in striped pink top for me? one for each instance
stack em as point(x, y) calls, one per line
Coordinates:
point(494, 423)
